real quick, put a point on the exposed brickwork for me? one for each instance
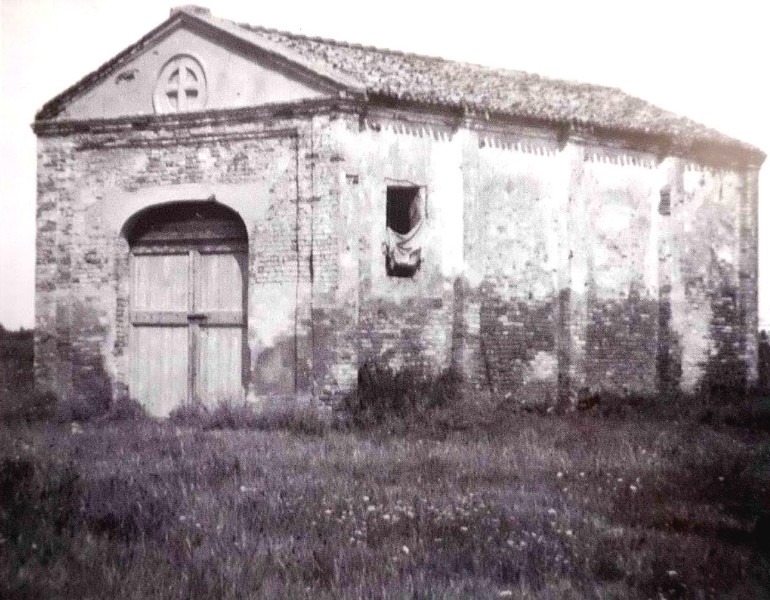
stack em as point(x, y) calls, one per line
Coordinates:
point(710, 327)
point(83, 265)
point(404, 322)
point(517, 230)
point(622, 192)
point(548, 269)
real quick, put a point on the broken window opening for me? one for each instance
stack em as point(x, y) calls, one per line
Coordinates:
point(405, 216)
point(403, 208)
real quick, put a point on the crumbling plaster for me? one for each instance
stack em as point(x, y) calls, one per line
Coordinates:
point(548, 271)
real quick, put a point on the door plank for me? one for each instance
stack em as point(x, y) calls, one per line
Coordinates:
point(220, 282)
point(220, 286)
point(219, 372)
point(159, 368)
point(192, 330)
point(160, 282)
point(159, 357)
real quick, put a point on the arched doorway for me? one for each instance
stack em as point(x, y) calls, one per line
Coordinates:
point(187, 305)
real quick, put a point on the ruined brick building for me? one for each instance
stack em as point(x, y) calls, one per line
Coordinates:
point(228, 211)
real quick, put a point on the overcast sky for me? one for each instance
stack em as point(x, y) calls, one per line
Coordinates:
point(708, 61)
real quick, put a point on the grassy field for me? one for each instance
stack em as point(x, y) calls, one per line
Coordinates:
point(539, 506)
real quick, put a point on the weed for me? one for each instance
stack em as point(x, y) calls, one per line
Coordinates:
point(290, 415)
point(398, 398)
point(128, 508)
point(125, 409)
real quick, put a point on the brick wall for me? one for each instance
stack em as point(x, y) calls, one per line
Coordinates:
point(517, 192)
point(715, 280)
point(622, 192)
point(90, 184)
point(548, 271)
point(572, 278)
point(404, 322)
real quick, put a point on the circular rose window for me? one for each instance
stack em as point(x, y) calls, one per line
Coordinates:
point(181, 86)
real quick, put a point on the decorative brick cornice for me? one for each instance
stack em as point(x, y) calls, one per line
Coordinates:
point(173, 139)
point(377, 108)
point(192, 120)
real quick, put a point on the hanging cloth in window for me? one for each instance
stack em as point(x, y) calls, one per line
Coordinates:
point(404, 250)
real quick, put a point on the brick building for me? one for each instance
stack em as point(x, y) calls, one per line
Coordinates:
point(229, 211)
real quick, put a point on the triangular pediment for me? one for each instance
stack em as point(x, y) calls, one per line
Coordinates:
point(189, 64)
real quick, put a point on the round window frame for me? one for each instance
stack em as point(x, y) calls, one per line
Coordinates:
point(160, 99)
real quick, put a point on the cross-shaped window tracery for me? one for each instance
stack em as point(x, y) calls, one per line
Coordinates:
point(181, 86)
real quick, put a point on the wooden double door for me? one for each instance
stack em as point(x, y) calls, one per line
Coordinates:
point(188, 325)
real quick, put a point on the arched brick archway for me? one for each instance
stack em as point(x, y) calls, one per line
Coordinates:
point(187, 305)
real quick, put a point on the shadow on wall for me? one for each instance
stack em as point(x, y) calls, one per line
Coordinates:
point(622, 350)
point(764, 363)
point(518, 346)
point(725, 368)
point(91, 392)
point(16, 361)
point(669, 359)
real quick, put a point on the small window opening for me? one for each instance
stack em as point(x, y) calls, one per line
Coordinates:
point(403, 210)
point(664, 208)
point(405, 215)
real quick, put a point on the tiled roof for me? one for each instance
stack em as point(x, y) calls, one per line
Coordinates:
point(437, 81)
point(432, 81)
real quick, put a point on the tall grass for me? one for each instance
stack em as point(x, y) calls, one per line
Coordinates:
point(563, 506)
point(289, 415)
point(625, 498)
point(401, 399)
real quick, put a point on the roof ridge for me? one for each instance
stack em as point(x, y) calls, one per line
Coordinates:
point(336, 42)
point(371, 47)
point(409, 54)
